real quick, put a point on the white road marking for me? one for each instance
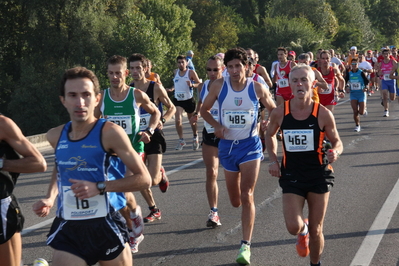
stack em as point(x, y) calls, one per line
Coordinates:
point(373, 238)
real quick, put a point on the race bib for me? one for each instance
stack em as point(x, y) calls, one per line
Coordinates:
point(283, 83)
point(386, 77)
point(328, 91)
point(125, 121)
point(298, 140)
point(144, 121)
point(76, 209)
point(241, 119)
point(208, 127)
point(355, 86)
point(182, 95)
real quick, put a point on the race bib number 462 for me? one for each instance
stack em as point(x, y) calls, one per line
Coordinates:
point(298, 140)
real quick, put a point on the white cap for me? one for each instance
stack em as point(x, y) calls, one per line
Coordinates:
point(190, 52)
point(354, 48)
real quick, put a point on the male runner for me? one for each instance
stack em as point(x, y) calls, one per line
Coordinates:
point(120, 104)
point(157, 146)
point(214, 70)
point(357, 85)
point(88, 229)
point(151, 75)
point(240, 149)
point(332, 76)
point(387, 68)
point(306, 173)
point(12, 141)
point(282, 69)
point(184, 81)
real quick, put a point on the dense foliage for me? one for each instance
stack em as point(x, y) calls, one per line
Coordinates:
point(40, 39)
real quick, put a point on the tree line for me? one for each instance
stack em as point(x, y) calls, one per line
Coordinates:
point(40, 39)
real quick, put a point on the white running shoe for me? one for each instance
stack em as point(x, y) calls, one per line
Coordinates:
point(213, 219)
point(386, 113)
point(357, 129)
point(195, 143)
point(180, 145)
point(138, 223)
point(365, 113)
point(135, 242)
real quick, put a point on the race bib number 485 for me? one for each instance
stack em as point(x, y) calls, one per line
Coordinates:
point(241, 119)
point(298, 140)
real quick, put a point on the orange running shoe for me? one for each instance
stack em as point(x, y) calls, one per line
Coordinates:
point(302, 243)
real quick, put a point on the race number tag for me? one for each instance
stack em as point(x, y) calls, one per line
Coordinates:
point(241, 119)
point(283, 83)
point(328, 91)
point(182, 95)
point(355, 86)
point(125, 121)
point(298, 140)
point(144, 121)
point(215, 115)
point(386, 77)
point(76, 209)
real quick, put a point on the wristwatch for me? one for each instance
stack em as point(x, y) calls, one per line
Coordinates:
point(1, 163)
point(163, 120)
point(101, 187)
point(150, 131)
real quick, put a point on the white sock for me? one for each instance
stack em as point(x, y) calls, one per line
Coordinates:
point(305, 230)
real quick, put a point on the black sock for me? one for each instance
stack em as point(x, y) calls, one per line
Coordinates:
point(317, 264)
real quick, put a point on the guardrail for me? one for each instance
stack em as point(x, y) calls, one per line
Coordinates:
point(39, 140)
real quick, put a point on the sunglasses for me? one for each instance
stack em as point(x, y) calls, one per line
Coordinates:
point(213, 69)
point(354, 64)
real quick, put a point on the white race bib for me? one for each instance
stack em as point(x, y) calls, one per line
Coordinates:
point(182, 95)
point(282, 83)
point(298, 140)
point(386, 77)
point(125, 121)
point(328, 91)
point(240, 119)
point(76, 209)
point(355, 86)
point(215, 115)
point(144, 121)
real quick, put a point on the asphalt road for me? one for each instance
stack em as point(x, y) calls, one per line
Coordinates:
point(361, 225)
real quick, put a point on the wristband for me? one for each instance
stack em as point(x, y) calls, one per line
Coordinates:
point(270, 164)
point(149, 130)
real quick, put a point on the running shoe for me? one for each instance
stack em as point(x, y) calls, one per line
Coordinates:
point(180, 145)
point(153, 216)
point(244, 255)
point(386, 113)
point(137, 220)
point(213, 220)
point(365, 113)
point(195, 143)
point(135, 242)
point(369, 94)
point(357, 129)
point(164, 184)
point(302, 243)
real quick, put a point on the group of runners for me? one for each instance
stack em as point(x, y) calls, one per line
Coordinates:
point(114, 143)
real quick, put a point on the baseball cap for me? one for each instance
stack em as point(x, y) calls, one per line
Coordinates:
point(354, 48)
point(369, 51)
point(190, 52)
point(292, 53)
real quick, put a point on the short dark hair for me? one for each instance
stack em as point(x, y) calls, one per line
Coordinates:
point(179, 57)
point(79, 72)
point(236, 53)
point(325, 52)
point(138, 57)
point(282, 49)
point(117, 59)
